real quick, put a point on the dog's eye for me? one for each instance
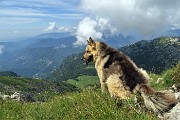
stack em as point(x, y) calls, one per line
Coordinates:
point(88, 51)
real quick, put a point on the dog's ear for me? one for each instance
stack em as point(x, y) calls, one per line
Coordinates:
point(91, 41)
point(88, 41)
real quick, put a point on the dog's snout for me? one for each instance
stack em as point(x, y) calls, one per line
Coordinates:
point(82, 58)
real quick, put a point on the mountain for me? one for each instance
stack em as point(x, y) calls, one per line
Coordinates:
point(173, 32)
point(154, 56)
point(118, 40)
point(54, 35)
point(37, 56)
point(8, 73)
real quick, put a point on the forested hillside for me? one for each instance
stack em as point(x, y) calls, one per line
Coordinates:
point(155, 55)
point(71, 68)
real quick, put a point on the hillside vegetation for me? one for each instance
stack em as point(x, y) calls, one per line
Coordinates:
point(89, 104)
point(41, 90)
point(156, 55)
point(71, 68)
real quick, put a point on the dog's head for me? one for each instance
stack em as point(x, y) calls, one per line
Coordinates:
point(90, 51)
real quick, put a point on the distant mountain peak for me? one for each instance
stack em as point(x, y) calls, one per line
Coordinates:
point(54, 35)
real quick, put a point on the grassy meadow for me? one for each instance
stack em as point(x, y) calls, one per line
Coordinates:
point(87, 104)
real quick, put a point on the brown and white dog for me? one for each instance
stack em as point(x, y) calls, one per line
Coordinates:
point(120, 76)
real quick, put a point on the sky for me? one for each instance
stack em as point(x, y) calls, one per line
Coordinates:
point(85, 18)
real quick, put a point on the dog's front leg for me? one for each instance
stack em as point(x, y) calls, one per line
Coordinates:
point(103, 85)
point(102, 73)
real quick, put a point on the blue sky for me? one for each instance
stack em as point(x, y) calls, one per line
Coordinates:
point(84, 18)
point(20, 18)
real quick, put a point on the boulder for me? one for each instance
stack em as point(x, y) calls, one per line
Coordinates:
point(24, 97)
point(173, 114)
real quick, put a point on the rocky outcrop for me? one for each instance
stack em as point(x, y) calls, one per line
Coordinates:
point(18, 96)
point(173, 114)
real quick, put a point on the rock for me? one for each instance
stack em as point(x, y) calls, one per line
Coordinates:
point(177, 95)
point(173, 114)
point(176, 87)
point(16, 96)
point(4, 97)
point(24, 97)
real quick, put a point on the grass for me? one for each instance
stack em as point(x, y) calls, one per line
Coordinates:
point(41, 89)
point(169, 77)
point(89, 104)
point(84, 81)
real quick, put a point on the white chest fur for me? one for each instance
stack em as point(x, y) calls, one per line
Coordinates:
point(99, 65)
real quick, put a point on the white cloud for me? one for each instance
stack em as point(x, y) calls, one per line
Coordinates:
point(52, 27)
point(104, 25)
point(1, 49)
point(144, 17)
point(63, 29)
point(93, 28)
point(87, 28)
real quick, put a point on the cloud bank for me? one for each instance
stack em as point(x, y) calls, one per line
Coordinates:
point(144, 19)
point(92, 28)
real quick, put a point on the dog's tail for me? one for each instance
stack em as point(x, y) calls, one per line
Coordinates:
point(159, 102)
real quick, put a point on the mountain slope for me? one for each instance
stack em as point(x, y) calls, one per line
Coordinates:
point(155, 56)
point(38, 57)
point(8, 73)
point(71, 68)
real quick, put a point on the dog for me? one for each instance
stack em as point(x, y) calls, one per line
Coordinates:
point(121, 77)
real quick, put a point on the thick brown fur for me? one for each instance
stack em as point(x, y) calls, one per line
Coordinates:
point(120, 76)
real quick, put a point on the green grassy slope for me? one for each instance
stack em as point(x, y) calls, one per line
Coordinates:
point(89, 104)
point(84, 81)
point(40, 89)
